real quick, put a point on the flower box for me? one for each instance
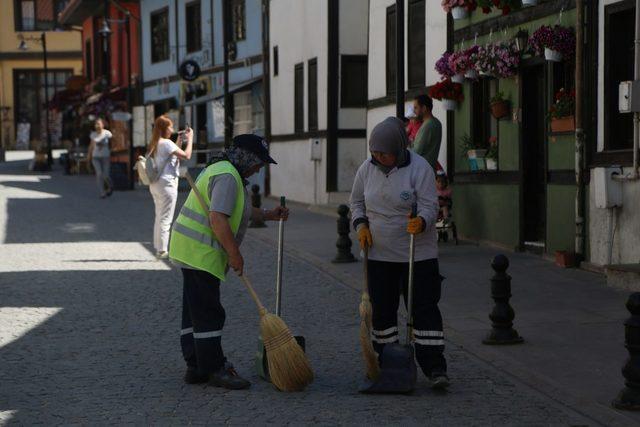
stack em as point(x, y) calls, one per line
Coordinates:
point(459, 12)
point(563, 124)
point(500, 109)
point(552, 55)
point(449, 104)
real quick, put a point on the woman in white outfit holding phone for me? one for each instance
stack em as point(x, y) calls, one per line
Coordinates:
point(164, 190)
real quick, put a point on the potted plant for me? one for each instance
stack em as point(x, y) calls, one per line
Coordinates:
point(460, 62)
point(499, 106)
point(448, 92)
point(562, 110)
point(442, 66)
point(492, 154)
point(459, 8)
point(471, 72)
point(506, 6)
point(474, 152)
point(500, 59)
point(556, 43)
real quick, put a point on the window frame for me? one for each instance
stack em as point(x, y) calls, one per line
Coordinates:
point(349, 99)
point(312, 94)
point(18, 18)
point(390, 50)
point(416, 72)
point(609, 10)
point(298, 98)
point(194, 43)
point(152, 15)
point(483, 125)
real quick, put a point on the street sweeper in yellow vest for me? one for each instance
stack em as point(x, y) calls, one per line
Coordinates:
point(205, 244)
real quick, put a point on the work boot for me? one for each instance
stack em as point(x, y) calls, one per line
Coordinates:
point(192, 376)
point(227, 377)
point(439, 380)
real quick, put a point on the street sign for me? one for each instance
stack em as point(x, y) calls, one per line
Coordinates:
point(189, 70)
point(121, 116)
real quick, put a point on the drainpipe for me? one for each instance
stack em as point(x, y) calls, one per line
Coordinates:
point(579, 153)
point(636, 116)
point(400, 59)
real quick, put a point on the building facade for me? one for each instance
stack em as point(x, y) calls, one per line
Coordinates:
point(318, 83)
point(22, 88)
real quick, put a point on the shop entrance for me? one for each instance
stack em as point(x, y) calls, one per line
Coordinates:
point(533, 158)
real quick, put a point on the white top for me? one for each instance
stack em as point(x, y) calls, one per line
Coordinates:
point(101, 148)
point(165, 149)
point(384, 200)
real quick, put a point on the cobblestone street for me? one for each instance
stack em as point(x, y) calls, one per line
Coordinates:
point(89, 329)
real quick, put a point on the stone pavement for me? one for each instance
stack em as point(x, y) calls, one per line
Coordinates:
point(89, 325)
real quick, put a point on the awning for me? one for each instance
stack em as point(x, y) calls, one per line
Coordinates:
point(232, 89)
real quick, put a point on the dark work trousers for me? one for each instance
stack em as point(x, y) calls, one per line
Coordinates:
point(386, 281)
point(202, 321)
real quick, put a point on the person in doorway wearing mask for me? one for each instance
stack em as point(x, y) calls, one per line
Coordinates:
point(384, 190)
point(205, 244)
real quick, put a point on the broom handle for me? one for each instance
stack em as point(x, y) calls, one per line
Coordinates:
point(246, 282)
point(280, 259)
point(412, 251)
point(365, 261)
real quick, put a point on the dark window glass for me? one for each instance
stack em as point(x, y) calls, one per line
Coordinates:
point(416, 44)
point(238, 17)
point(391, 50)
point(160, 35)
point(38, 15)
point(353, 90)
point(275, 60)
point(312, 99)
point(298, 119)
point(619, 59)
point(194, 27)
point(30, 98)
point(482, 125)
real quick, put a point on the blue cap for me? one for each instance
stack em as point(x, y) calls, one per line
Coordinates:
point(255, 144)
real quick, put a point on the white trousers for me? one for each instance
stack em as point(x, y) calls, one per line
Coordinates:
point(165, 194)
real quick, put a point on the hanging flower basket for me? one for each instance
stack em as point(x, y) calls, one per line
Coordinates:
point(545, 40)
point(552, 55)
point(500, 109)
point(526, 3)
point(500, 59)
point(442, 66)
point(471, 74)
point(563, 124)
point(448, 92)
point(458, 78)
point(459, 13)
point(505, 6)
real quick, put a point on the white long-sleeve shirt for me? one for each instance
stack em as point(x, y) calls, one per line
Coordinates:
point(384, 201)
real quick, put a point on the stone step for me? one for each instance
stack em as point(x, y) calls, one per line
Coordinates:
point(623, 276)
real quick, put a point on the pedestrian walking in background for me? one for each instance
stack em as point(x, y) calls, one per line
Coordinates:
point(205, 245)
point(164, 190)
point(429, 137)
point(99, 155)
point(414, 123)
point(384, 190)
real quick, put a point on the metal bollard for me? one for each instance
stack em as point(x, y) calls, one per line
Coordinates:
point(256, 202)
point(502, 316)
point(344, 242)
point(629, 396)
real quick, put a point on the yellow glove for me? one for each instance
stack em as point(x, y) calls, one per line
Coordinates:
point(364, 237)
point(415, 225)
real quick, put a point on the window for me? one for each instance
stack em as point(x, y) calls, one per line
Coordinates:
point(30, 96)
point(238, 20)
point(416, 45)
point(275, 61)
point(482, 125)
point(88, 69)
point(353, 90)
point(37, 15)
point(618, 60)
point(391, 50)
point(194, 24)
point(312, 97)
point(160, 35)
point(298, 95)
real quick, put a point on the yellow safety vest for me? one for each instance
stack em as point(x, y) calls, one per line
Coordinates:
point(192, 240)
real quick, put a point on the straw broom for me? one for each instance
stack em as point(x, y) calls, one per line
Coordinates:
point(368, 353)
point(289, 367)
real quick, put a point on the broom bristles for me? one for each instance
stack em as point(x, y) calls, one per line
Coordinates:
point(368, 353)
point(289, 367)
